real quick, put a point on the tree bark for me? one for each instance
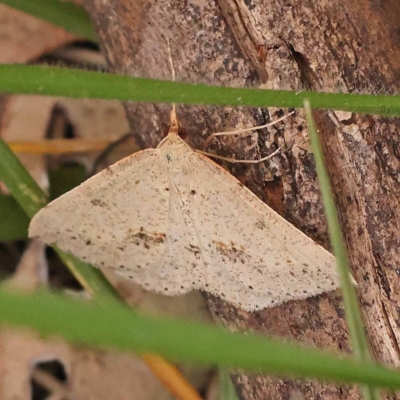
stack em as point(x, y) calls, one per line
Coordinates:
point(334, 46)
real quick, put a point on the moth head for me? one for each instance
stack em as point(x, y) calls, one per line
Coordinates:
point(175, 127)
point(174, 123)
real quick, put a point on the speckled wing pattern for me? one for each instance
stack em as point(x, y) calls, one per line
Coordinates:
point(172, 220)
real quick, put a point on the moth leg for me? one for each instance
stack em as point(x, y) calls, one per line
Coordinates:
point(253, 128)
point(235, 161)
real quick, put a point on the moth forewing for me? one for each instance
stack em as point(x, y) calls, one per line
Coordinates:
point(172, 220)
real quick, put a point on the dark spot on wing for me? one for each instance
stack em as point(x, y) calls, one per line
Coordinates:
point(260, 224)
point(231, 252)
point(194, 249)
point(147, 239)
point(108, 171)
point(98, 202)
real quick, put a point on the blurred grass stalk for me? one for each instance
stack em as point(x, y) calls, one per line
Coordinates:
point(51, 81)
point(353, 313)
point(117, 327)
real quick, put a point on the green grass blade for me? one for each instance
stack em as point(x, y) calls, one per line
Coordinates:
point(91, 278)
point(13, 220)
point(352, 309)
point(65, 14)
point(26, 79)
point(226, 388)
point(31, 199)
point(116, 327)
point(18, 181)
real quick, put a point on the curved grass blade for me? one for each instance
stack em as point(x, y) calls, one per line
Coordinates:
point(351, 306)
point(51, 81)
point(117, 327)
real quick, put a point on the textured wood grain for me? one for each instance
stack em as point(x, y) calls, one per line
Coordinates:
point(332, 46)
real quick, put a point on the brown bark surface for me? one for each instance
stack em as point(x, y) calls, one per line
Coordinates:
point(322, 45)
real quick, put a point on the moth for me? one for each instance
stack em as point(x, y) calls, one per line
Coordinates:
point(173, 220)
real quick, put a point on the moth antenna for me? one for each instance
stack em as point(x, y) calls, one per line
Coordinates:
point(171, 62)
point(174, 119)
